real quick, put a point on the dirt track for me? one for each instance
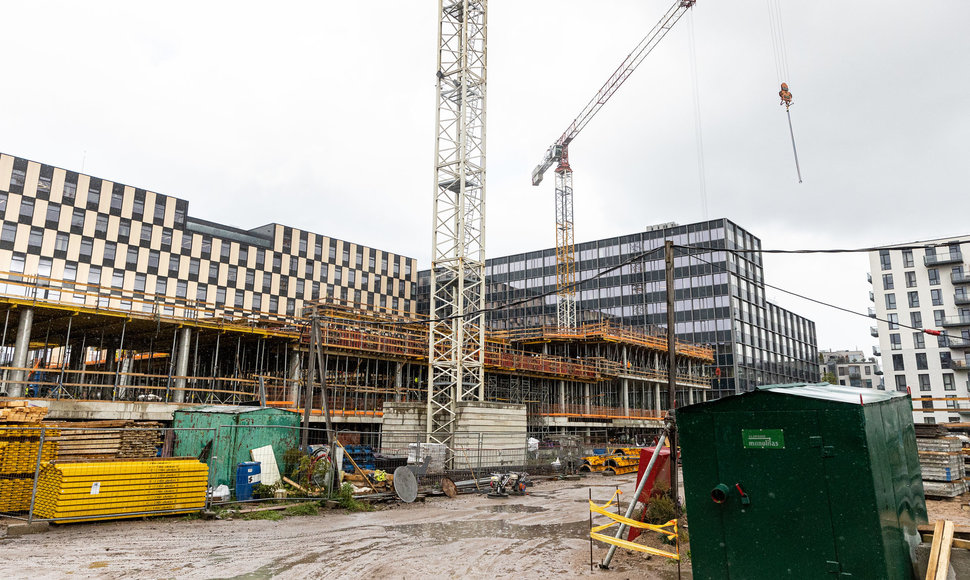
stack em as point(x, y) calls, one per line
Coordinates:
point(542, 535)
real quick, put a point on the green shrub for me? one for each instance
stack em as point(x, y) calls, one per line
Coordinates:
point(345, 498)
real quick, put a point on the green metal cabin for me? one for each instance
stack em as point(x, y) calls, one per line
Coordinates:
point(802, 481)
point(236, 431)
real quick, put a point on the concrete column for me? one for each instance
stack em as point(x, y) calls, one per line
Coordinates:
point(589, 399)
point(182, 363)
point(562, 396)
point(690, 396)
point(293, 374)
point(625, 394)
point(21, 345)
point(123, 378)
point(656, 396)
point(399, 382)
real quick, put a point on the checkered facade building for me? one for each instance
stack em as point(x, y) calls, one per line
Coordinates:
point(125, 247)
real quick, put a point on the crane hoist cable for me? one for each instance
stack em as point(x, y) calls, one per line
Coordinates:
point(780, 52)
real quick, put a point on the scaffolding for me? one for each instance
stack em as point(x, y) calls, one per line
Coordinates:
point(110, 346)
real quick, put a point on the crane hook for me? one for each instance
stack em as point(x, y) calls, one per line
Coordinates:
point(785, 95)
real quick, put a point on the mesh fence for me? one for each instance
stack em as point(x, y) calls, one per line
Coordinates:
point(76, 472)
point(73, 472)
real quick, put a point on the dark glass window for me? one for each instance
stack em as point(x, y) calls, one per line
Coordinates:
point(70, 192)
point(77, 218)
point(898, 363)
point(86, 248)
point(117, 198)
point(110, 249)
point(884, 260)
point(36, 239)
point(53, 214)
point(26, 208)
point(921, 363)
point(907, 258)
point(61, 241)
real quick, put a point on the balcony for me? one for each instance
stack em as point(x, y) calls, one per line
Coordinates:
point(956, 321)
point(961, 299)
point(869, 277)
point(855, 375)
point(874, 331)
point(958, 343)
point(872, 311)
point(876, 351)
point(960, 278)
point(872, 297)
point(950, 258)
point(958, 364)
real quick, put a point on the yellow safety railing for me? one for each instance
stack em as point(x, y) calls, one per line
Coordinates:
point(668, 529)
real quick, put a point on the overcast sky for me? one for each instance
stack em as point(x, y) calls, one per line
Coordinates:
point(320, 115)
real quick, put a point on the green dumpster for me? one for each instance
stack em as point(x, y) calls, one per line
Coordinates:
point(802, 481)
point(234, 432)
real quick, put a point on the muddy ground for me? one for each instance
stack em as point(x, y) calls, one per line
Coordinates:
point(542, 535)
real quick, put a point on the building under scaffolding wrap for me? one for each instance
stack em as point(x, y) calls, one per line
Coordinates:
point(94, 361)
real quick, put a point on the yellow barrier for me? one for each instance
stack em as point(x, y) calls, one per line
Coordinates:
point(668, 529)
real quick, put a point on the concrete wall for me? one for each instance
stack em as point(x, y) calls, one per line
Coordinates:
point(486, 434)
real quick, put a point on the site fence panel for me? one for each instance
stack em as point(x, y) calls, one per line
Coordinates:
point(72, 472)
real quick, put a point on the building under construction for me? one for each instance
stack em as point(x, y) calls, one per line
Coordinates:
point(93, 360)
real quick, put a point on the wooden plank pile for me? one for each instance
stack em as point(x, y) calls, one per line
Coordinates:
point(106, 440)
point(19, 412)
point(120, 489)
point(942, 465)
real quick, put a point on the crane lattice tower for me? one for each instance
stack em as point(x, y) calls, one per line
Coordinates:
point(457, 326)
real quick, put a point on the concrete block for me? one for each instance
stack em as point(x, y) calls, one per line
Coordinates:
point(959, 562)
point(24, 529)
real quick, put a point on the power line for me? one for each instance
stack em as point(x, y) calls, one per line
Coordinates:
point(823, 303)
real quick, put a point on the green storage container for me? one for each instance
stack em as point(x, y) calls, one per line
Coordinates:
point(236, 431)
point(802, 481)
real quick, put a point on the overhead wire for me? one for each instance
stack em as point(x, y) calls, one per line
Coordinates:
point(817, 301)
point(690, 250)
point(698, 133)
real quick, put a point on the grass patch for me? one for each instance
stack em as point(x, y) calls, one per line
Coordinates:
point(271, 515)
point(309, 508)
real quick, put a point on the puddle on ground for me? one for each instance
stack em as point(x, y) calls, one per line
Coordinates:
point(450, 531)
point(512, 508)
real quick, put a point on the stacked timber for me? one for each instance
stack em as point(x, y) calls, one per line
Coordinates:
point(105, 440)
point(19, 412)
point(120, 489)
point(19, 445)
point(941, 462)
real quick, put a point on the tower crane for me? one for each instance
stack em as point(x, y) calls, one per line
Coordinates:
point(558, 153)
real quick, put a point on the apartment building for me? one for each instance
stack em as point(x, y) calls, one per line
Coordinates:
point(916, 288)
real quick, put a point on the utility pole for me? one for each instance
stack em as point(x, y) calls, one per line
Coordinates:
point(671, 372)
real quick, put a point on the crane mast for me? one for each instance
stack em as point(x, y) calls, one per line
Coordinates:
point(558, 153)
point(457, 326)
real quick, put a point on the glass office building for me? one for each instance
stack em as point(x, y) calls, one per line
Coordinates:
point(720, 298)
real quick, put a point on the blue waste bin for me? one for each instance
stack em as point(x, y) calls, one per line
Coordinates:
point(247, 475)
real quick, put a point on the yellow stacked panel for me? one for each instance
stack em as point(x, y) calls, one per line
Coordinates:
point(18, 461)
point(119, 489)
